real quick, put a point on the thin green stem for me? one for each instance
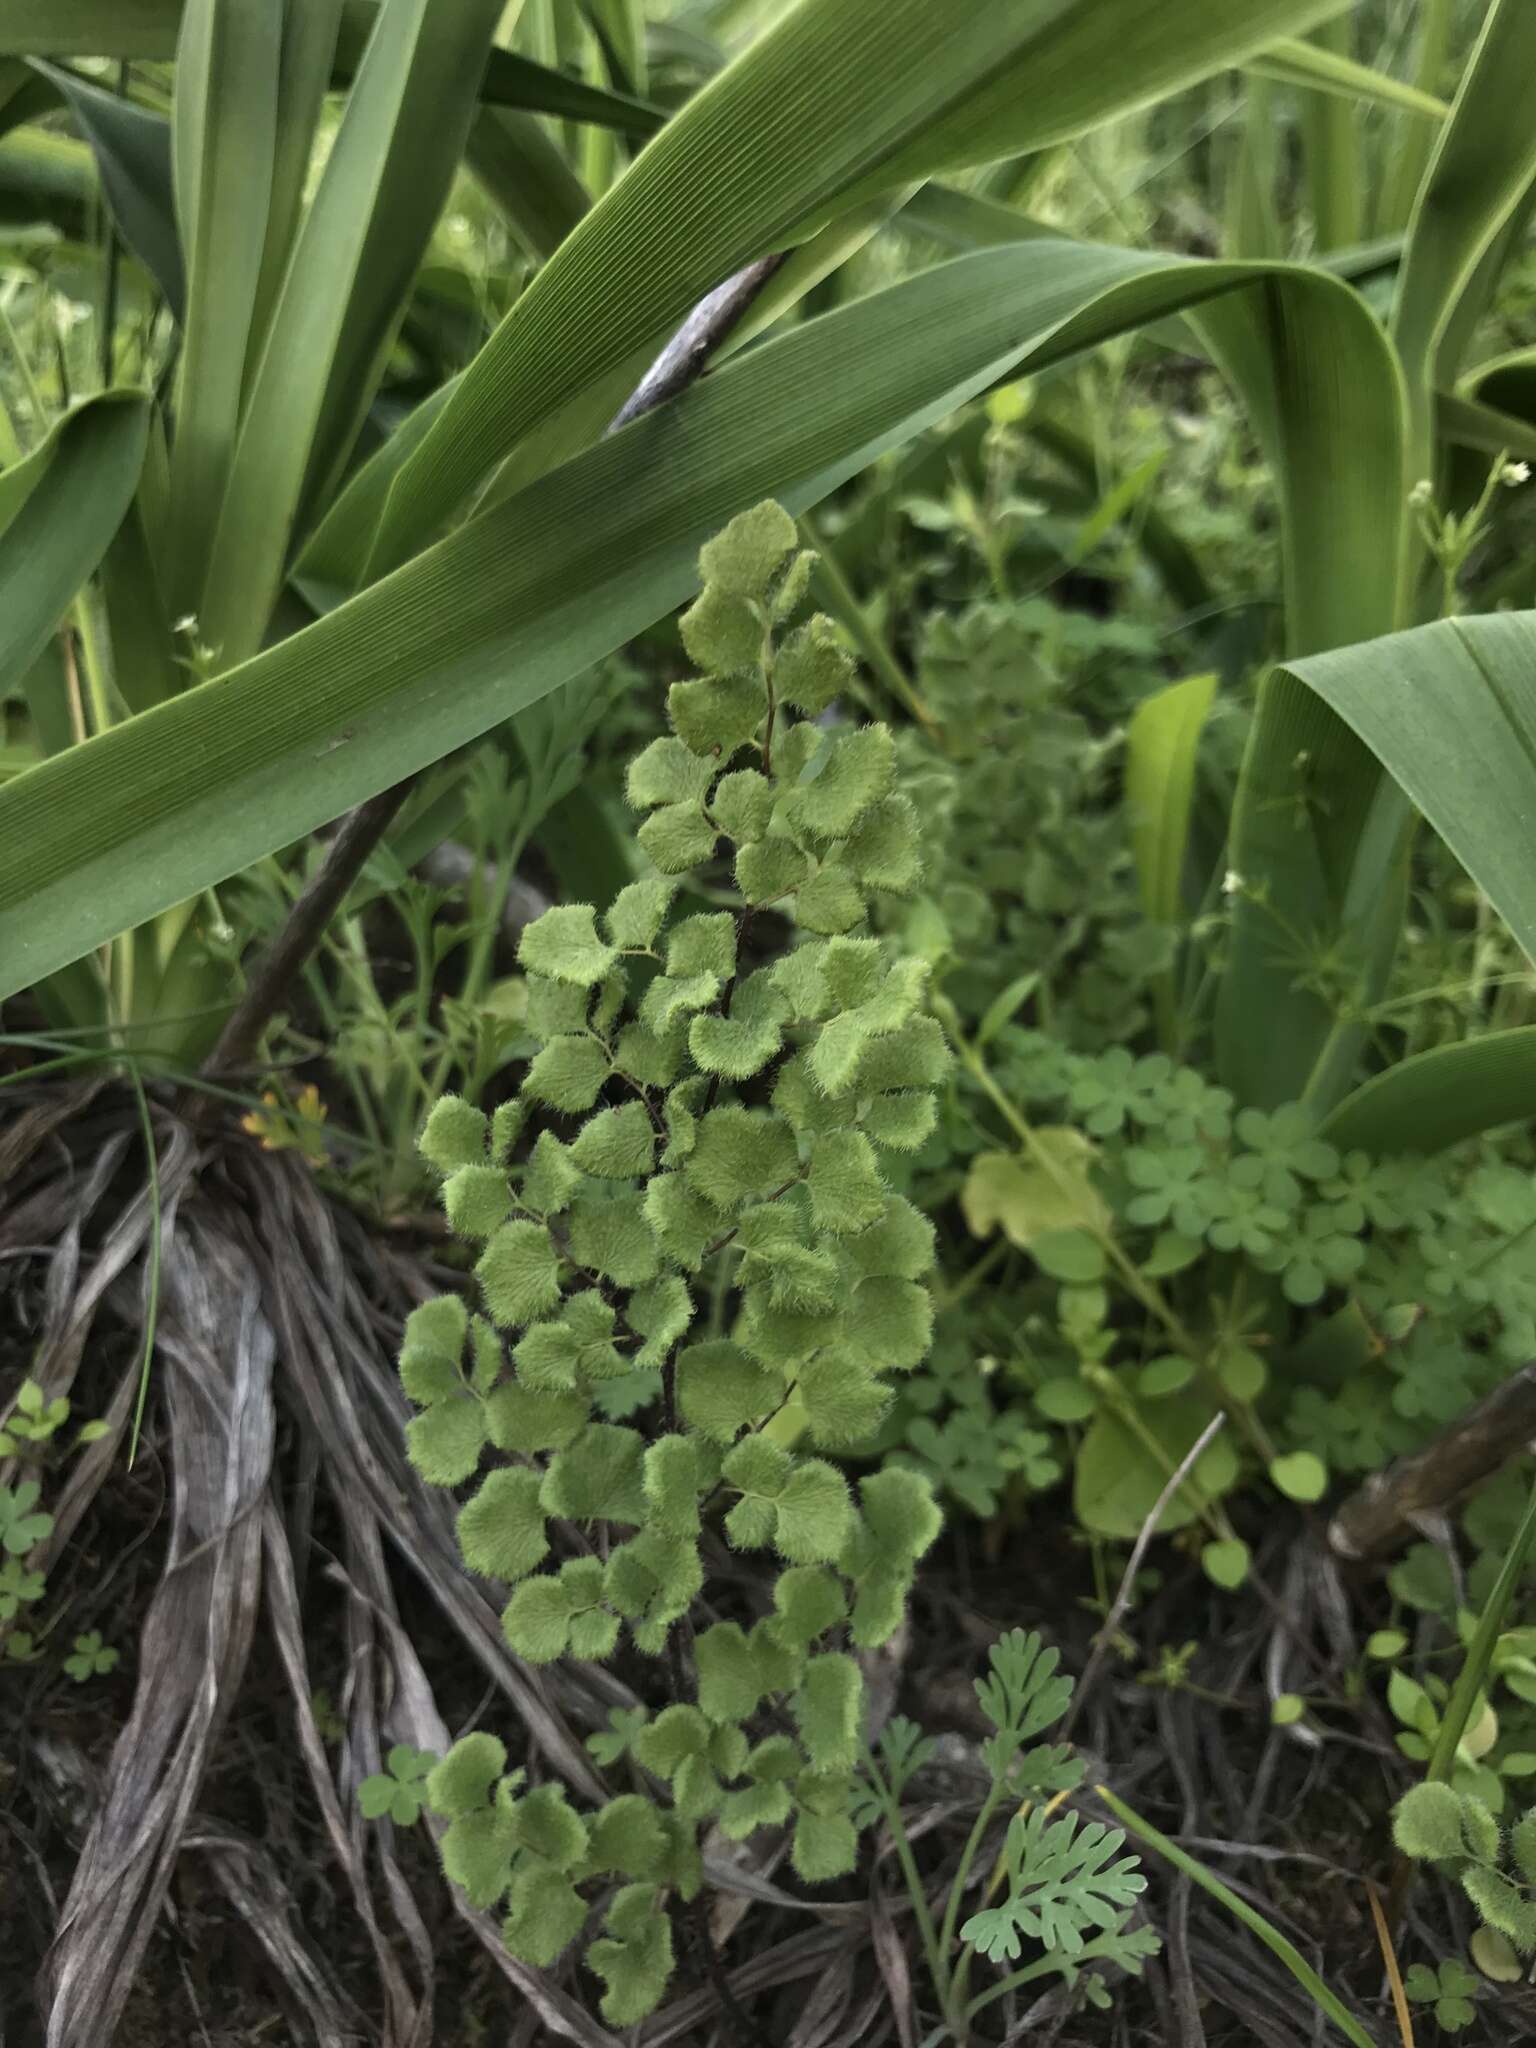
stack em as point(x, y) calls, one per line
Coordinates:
point(24, 365)
point(481, 948)
point(1343, 1024)
point(991, 1258)
point(1272, 1938)
point(1030, 1974)
point(1474, 1669)
point(1146, 1292)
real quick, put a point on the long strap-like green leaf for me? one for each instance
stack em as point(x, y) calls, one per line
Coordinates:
point(1437, 1098)
point(1323, 393)
point(224, 133)
point(531, 593)
point(839, 100)
point(133, 156)
point(1449, 710)
point(1321, 843)
point(1322, 68)
point(148, 29)
point(1483, 164)
point(389, 170)
point(58, 511)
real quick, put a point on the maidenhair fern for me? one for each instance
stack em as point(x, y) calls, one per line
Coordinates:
point(1434, 1823)
point(694, 1278)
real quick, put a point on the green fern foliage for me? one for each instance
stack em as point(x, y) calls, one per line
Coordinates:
point(1433, 1823)
point(691, 1199)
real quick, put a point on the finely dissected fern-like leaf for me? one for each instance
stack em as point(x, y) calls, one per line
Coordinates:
point(707, 1120)
point(1065, 1881)
point(1021, 1696)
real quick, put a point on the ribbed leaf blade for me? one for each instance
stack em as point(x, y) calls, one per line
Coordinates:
point(1437, 1098)
point(147, 29)
point(840, 99)
point(533, 592)
point(1449, 710)
point(1323, 69)
point(224, 132)
point(133, 157)
point(1483, 164)
point(58, 510)
point(393, 157)
point(1160, 749)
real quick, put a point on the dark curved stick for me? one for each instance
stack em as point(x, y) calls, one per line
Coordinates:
point(684, 359)
point(273, 975)
point(1395, 1505)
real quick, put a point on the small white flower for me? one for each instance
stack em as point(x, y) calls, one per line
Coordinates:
point(1232, 883)
point(1515, 473)
point(1422, 492)
point(187, 623)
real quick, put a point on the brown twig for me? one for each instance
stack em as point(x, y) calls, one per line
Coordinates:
point(1396, 1504)
point(681, 362)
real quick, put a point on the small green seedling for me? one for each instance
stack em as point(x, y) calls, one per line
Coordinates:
point(1449, 1989)
point(396, 1792)
point(90, 1658)
point(1061, 1888)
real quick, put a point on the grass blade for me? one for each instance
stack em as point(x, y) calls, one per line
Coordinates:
point(528, 177)
point(1409, 149)
point(310, 29)
point(1470, 424)
point(58, 511)
point(394, 155)
point(148, 29)
point(224, 133)
point(133, 157)
point(1331, 145)
point(1282, 1950)
point(1324, 66)
point(1483, 165)
point(1474, 1669)
point(1160, 750)
point(1449, 710)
